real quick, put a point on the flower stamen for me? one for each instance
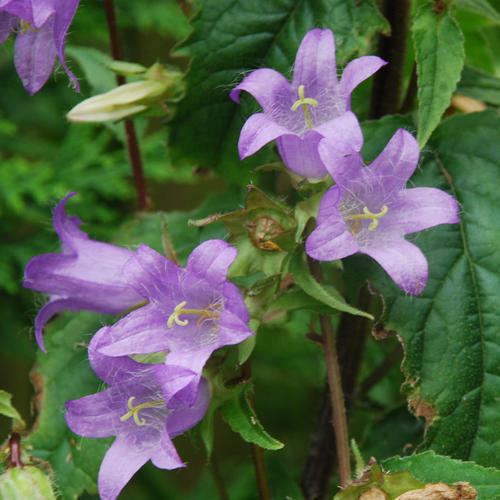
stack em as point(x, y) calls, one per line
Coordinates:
point(368, 215)
point(134, 410)
point(209, 313)
point(305, 102)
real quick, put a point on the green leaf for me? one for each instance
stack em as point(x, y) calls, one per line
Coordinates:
point(481, 86)
point(450, 332)
point(240, 416)
point(233, 37)
point(60, 375)
point(481, 7)
point(429, 467)
point(440, 56)
point(9, 411)
point(326, 294)
point(21, 483)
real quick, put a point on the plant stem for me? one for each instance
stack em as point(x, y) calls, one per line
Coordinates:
point(218, 480)
point(15, 451)
point(134, 152)
point(337, 402)
point(386, 96)
point(257, 452)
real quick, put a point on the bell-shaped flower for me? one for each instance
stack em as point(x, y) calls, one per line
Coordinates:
point(299, 115)
point(41, 27)
point(87, 275)
point(369, 210)
point(192, 311)
point(144, 407)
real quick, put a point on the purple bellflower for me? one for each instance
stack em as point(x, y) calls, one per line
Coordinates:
point(143, 407)
point(192, 311)
point(87, 275)
point(300, 114)
point(369, 210)
point(41, 27)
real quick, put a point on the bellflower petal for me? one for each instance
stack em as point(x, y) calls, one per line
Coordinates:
point(404, 263)
point(7, 25)
point(300, 154)
point(331, 240)
point(86, 276)
point(299, 114)
point(269, 88)
point(417, 209)
point(137, 408)
point(117, 468)
point(370, 210)
point(315, 66)
point(191, 311)
point(45, 24)
point(358, 71)
point(397, 162)
point(211, 261)
point(34, 56)
point(258, 131)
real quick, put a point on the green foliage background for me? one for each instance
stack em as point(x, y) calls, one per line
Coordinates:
point(451, 333)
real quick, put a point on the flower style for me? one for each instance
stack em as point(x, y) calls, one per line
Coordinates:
point(300, 114)
point(42, 26)
point(143, 407)
point(369, 210)
point(191, 312)
point(87, 275)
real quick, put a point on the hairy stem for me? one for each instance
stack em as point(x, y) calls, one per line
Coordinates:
point(387, 85)
point(320, 462)
point(134, 152)
point(336, 391)
point(257, 452)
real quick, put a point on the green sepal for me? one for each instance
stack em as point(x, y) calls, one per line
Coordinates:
point(8, 410)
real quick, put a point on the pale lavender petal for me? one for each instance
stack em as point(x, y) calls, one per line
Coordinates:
point(344, 130)
point(66, 10)
point(142, 331)
point(120, 463)
point(184, 417)
point(358, 71)
point(232, 329)
point(397, 162)
point(92, 416)
point(270, 88)
point(48, 311)
point(233, 300)
point(331, 240)
point(416, 209)
point(315, 65)
point(259, 130)
point(109, 369)
point(166, 456)
point(42, 10)
point(211, 260)
point(404, 263)
point(193, 359)
point(34, 56)
point(7, 24)
point(300, 154)
point(342, 161)
point(153, 277)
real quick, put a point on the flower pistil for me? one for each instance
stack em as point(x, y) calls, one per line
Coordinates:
point(369, 215)
point(134, 410)
point(208, 313)
point(305, 102)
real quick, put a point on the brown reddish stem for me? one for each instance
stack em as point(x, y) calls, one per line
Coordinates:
point(257, 452)
point(15, 450)
point(133, 149)
point(337, 402)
